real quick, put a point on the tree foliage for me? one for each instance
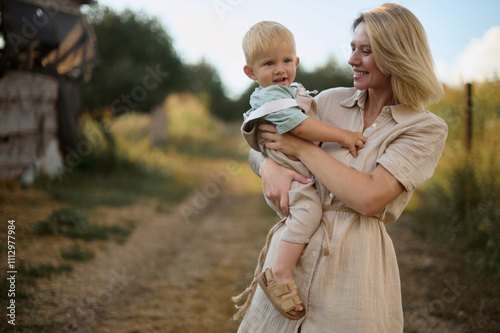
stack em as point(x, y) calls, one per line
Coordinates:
point(204, 80)
point(139, 65)
point(326, 76)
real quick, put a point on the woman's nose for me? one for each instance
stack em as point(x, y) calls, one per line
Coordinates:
point(353, 59)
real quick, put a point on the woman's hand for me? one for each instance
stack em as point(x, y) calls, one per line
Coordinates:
point(287, 143)
point(276, 181)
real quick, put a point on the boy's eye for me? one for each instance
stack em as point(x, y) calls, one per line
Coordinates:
point(269, 63)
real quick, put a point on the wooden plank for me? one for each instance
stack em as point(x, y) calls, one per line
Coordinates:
point(28, 119)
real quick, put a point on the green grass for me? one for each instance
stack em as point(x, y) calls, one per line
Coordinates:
point(204, 148)
point(72, 223)
point(123, 186)
point(43, 270)
point(64, 221)
point(460, 206)
point(76, 253)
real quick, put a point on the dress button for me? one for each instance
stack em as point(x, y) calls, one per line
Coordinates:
point(374, 125)
point(315, 253)
point(331, 195)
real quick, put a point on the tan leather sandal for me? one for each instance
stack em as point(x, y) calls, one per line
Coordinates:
point(275, 292)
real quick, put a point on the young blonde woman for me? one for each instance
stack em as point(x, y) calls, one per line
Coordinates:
point(347, 275)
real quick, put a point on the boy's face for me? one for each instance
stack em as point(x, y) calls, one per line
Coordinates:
point(274, 66)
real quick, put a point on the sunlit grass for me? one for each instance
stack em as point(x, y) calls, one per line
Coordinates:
point(460, 205)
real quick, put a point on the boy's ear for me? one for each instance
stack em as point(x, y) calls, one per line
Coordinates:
point(297, 62)
point(249, 72)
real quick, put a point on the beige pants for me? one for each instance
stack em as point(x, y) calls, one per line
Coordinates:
point(304, 202)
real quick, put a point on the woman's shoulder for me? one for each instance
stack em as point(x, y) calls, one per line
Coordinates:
point(423, 124)
point(436, 124)
point(334, 97)
point(337, 93)
point(436, 119)
point(419, 118)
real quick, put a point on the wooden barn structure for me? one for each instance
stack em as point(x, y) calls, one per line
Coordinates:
point(47, 46)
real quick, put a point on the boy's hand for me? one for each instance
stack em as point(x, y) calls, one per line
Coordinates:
point(354, 141)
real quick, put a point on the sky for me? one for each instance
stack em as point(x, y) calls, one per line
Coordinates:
point(464, 35)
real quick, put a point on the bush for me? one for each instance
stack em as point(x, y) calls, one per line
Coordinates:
point(465, 215)
point(45, 270)
point(64, 221)
point(71, 223)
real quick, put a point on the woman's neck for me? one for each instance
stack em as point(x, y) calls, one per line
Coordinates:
point(375, 101)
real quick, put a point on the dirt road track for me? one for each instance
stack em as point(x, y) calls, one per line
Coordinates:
point(177, 275)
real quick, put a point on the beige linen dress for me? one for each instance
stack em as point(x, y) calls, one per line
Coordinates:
point(356, 287)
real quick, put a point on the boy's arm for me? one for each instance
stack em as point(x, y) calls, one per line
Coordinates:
point(315, 130)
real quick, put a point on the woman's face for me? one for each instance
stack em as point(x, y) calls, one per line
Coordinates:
point(367, 75)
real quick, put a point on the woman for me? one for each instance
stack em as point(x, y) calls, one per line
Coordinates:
point(347, 276)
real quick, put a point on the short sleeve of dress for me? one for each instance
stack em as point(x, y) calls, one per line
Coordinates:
point(412, 153)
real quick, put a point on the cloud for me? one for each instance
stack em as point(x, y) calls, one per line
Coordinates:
point(479, 61)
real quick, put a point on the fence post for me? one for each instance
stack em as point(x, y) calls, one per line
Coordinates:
point(468, 117)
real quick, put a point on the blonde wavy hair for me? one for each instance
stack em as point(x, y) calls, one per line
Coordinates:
point(263, 36)
point(401, 50)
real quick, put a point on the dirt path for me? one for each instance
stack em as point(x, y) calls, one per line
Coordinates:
point(176, 273)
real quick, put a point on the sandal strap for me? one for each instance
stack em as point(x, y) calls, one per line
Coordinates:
point(278, 290)
point(289, 303)
point(283, 289)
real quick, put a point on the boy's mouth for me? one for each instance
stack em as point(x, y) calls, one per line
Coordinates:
point(281, 80)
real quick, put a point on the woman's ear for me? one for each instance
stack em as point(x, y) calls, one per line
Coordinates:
point(249, 72)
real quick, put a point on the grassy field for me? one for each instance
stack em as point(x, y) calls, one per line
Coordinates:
point(460, 205)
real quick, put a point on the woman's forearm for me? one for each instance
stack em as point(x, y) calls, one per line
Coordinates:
point(368, 194)
point(255, 159)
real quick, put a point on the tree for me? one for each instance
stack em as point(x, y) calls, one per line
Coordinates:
point(139, 65)
point(329, 75)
